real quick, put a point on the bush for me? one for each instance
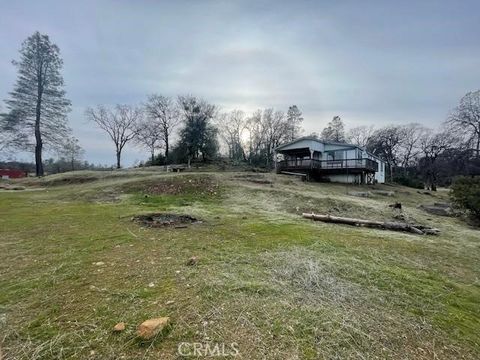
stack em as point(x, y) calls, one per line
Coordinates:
point(466, 195)
point(412, 182)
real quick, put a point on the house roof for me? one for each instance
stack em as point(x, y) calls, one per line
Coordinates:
point(312, 138)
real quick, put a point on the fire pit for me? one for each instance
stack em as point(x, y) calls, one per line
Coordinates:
point(159, 220)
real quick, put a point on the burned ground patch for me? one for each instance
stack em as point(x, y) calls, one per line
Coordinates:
point(161, 220)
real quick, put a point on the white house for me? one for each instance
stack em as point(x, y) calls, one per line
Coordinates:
point(331, 161)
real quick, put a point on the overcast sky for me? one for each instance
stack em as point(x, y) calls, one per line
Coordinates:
point(370, 62)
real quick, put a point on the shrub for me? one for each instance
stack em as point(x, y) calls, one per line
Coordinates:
point(409, 181)
point(466, 195)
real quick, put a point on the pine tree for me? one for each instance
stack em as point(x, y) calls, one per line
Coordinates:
point(334, 131)
point(294, 122)
point(37, 108)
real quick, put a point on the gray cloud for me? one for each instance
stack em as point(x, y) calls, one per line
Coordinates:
point(371, 62)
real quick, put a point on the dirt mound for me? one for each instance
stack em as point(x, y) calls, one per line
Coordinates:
point(164, 220)
point(59, 180)
point(191, 185)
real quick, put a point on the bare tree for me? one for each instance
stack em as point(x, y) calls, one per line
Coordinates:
point(465, 119)
point(385, 142)
point(72, 151)
point(231, 126)
point(256, 136)
point(409, 147)
point(166, 114)
point(276, 131)
point(150, 135)
point(120, 124)
point(267, 129)
point(360, 135)
point(38, 107)
point(432, 146)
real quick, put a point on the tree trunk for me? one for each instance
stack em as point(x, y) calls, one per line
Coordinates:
point(38, 134)
point(395, 226)
point(38, 143)
point(153, 157)
point(119, 154)
point(166, 146)
point(478, 145)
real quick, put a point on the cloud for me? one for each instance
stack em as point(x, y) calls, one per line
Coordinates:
point(371, 62)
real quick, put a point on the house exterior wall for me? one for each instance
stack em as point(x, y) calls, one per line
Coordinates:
point(343, 178)
point(334, 151)
point(380, 174)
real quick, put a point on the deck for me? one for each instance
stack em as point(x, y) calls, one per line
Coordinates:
point(328, 166)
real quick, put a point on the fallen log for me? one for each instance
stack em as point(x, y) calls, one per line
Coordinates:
point(395, 226)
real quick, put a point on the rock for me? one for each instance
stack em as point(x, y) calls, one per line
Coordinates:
point(99, 263)
point(151, 285)
point(192, 261)
point(437, 210)
point(170, 302)
point(119, 327)
point(151, 327)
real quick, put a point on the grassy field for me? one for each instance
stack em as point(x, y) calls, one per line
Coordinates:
point(73, 264)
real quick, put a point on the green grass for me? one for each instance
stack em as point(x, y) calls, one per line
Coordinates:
point(279, 286)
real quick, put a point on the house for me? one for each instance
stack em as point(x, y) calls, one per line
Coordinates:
point(330, 161)
point(12, 173)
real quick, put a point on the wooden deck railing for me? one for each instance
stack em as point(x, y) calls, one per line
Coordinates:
point(306, 164)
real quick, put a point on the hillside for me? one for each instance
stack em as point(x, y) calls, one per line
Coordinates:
point(74, 264)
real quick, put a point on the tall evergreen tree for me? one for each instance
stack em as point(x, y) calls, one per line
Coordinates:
point(334, 131)
point(294, 122)
point(198, 136)
point(37, 108)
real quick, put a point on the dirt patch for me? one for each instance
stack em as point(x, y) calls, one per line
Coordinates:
point(159, 220)
point(193, 186)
